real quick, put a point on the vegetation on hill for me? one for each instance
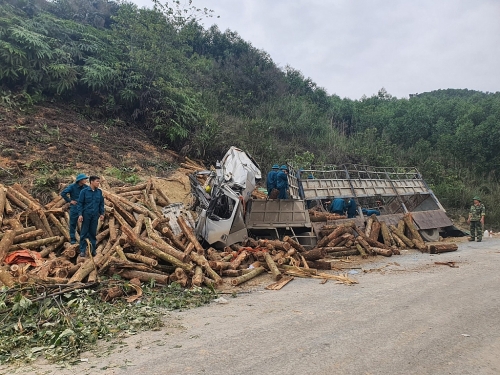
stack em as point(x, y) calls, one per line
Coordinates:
point(161, 71)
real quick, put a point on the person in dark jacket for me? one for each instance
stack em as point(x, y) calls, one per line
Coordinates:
point(90, 210)
point(338, 206)
point(271, 179)
point(351, 208)
point(282, 182)
point(73, 190)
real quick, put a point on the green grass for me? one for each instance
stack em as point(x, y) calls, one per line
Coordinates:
point(60, 327)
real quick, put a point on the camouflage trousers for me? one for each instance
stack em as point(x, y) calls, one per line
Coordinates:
point(476, 229)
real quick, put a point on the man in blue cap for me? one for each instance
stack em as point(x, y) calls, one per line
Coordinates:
point(271, 179)
point(90, 210)
point(282, 182)
point(73, 190)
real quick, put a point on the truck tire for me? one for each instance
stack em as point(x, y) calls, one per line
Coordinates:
point(430, 235)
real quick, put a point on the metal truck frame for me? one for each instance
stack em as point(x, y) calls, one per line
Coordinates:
point(227, 214)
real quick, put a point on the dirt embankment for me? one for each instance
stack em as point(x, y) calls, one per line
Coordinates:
point(46, 147)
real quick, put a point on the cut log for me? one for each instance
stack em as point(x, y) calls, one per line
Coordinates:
point(160, 192)
point(170, 235)
point(197, 279)
point(361, 250)
point(6, 243)
point(125, 189)
point(400, 234)
point(442, 248)
point(3, 199)
point(53, 247)
point(28, 236)
point(85, 269)
point(112, 229)
point(314, 254)
point(12, 197)
point(238, 260)
point(335, 249)
point(142, 259)
point(189, 234)
point(272, 267)
point(384, 252)
point(249, 276)
point(368, 227)
point(398, 240)
point(385, 234)
point(231, 273)
point(346, 253)
point(59, 226)
point(319, 264)
point(365, 245)
point(33, 245)
point(144, 276)
point(408, 219)
point(6, 278)
point(375, 231)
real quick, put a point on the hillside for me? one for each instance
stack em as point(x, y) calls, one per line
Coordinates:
point(47, 146)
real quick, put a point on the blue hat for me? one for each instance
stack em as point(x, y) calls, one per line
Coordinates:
point(284, 167)
point(276, 166)
point(81, 176)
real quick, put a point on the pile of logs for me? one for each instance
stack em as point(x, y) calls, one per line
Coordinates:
point(134, 241)
point(377, 238)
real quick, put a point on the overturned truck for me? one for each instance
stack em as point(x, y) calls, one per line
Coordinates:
point(228, 214)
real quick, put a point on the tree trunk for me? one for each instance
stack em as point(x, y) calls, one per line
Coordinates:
point(33, 245)
point(442, 248)
point(189, 234)
point(238, 260)
point(408, 219)
point(244, 278)
point(197, 279)
point(64, 231)
point(400, 234)
point(375, 231)
point(385, 233)
point(141, 258)
point(28, 236)
point(346, 253)
point(272, 267)
point(384, 252)
point(144, 276)
point(53, 247)
point(314, 254)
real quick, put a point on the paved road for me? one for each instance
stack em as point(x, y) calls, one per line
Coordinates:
point(409, 317)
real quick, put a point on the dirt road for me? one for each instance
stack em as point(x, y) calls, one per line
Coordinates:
point(407, 315)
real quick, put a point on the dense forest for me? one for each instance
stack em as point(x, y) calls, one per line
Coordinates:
point(160, 69)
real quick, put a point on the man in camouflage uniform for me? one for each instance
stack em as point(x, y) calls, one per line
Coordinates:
point(476, 219)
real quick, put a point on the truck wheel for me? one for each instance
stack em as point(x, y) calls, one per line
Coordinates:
point(430, 235)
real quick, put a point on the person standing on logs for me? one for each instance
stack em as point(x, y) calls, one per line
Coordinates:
point(282, 182)
point(73, 190)
point(90, 210)
point(476, 219)
point(271, 182)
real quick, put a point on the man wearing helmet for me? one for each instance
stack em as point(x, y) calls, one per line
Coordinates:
point(476, 219)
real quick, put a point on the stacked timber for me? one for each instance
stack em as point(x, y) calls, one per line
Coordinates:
point(134, 241)
point(376, 239)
